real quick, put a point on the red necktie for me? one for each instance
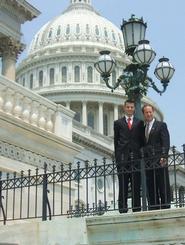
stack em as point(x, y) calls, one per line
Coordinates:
point(129, 123)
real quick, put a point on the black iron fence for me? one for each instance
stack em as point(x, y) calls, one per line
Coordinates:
point(89, 188)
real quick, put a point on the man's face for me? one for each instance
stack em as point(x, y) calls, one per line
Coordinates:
point(129, 109)
point(148, 113)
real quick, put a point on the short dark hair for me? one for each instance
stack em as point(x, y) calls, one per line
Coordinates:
point(129, 101)
point(145, 105)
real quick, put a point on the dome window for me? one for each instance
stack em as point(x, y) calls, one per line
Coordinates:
point(77, 74)
point(113, 37)
point(77, 28)
point(51, 76)
point(120, 40)
point(64, 74)
point(68, 29)
point(77, 116)
point(105, 33)
point(97, 31)
point(87, 29)
point(31, 81)
point(36, 42)
point(23, 82)
point(105, 124)
point(58, 30)
point(50, 33)
point(90, 119)
point(90, 74)
point(40, 79)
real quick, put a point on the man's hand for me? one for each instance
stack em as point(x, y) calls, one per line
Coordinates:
point(163, 162)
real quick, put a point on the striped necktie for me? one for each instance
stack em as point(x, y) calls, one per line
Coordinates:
point(147, 131)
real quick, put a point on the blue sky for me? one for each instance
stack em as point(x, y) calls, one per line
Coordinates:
point(166, 33)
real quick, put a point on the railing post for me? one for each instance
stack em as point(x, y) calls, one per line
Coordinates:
point(104, 180)
point(95, 181)
point(78, 190)
point(87, 185)
point(143, 181)
point(44, 194)
point(114, 188)
point(1, 203)
point(175, 175)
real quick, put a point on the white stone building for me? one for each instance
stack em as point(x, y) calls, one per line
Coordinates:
point(56, 82)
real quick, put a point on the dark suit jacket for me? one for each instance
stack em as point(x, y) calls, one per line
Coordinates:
point(126, 140)
point(159, 140)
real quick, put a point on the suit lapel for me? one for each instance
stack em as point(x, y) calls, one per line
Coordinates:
point(124, 123)
point(134, 122)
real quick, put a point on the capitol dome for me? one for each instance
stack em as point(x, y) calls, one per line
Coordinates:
point(80, 23)
point(60, 66)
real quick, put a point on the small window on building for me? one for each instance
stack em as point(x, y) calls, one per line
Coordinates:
point(77, 28)
point(23, 81)
point(64, 74)
point(97, 30)
point(90, 74)
point(77, 116)
point(68, 29)
point(105, 33)
point(105, 124)
point(58, 30)
point(40, 78)
point(31, 81)
point(50, 33)
point(113, 36)
point(87, 29)
point(90, 119)
point(77, 74)
point(51, 76)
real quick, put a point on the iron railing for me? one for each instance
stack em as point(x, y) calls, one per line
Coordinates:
point(90, 188)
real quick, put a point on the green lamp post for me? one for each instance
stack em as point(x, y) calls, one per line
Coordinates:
point(134, 79)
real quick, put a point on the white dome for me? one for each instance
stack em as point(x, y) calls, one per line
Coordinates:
point(79, 23)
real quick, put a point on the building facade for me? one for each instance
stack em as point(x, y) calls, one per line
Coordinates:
point(58, 110)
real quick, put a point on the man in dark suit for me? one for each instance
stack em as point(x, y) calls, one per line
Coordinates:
point(127, 143)
point(157, 144)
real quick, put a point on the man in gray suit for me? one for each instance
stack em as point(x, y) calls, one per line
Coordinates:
point(157, 144)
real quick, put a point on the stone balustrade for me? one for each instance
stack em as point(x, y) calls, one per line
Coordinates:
point(33, 109)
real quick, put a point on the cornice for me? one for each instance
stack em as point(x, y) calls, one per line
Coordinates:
point(87, 143)
point(66, 53)
point(20, 9)
point(81, 89)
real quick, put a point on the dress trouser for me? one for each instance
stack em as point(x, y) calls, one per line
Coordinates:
point(125, 175)
point(158, 188)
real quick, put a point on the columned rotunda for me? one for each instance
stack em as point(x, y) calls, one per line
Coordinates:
point(60, 65)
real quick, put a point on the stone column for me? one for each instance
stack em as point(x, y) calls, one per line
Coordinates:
point(115, 112)
point(100, 118)
point(84, 113)
point(9, 50)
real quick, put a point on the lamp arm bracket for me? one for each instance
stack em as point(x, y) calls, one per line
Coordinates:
point(151, 84)
point(106, 80)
